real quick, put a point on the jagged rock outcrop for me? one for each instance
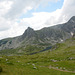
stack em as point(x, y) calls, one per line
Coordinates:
point(28, 33)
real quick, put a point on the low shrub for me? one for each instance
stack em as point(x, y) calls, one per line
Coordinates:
point(0, 69)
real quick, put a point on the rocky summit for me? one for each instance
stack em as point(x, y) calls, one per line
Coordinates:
point(47, 36)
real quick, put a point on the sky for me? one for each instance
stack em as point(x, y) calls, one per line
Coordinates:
point(17, 15)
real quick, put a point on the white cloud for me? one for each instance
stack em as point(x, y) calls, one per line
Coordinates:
point(18, 8)
point(4, 7)
point(41, 19)
point(15, 29)
point(68, 9)
point(10, 10)
point(44, 19)
point(4, 24)
point(22, 6)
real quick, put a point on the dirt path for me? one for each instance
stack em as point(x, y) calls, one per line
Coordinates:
point(56, 68)
point(50, 67)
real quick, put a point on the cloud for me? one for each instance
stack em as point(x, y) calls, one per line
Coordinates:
point(41, 19)
point(68, 9)
point(17, 8)
point(22, 6)
point(4, 24)
point(10, 10)
point(4, 7)
point(62, 15)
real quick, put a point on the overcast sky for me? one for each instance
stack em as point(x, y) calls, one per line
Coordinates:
point(17, 15)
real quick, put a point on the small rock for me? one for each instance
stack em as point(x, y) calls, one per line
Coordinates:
point(33, 64)
point(28, 63)
point(34, 68)
point(53, 60)
point(56, 67)
point(61, 68)
point(22, 64)
point(8, 62)
point(17, 61)
point(6, 59)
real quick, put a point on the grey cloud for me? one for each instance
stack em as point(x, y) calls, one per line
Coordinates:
point(20, 5)
point(4, 28)
point(5, 0)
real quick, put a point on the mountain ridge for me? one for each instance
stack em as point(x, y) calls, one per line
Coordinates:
point(46, 36)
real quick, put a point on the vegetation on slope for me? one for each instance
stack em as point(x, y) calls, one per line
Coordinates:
point(59, 61)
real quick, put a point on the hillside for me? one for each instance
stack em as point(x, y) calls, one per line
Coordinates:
point(40, 39)
point(59, 61)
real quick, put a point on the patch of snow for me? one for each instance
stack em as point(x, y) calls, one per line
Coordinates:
point(72, 33)
point(61, 40)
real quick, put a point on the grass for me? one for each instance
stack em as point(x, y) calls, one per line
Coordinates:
point(62, 57)
point(22, 65)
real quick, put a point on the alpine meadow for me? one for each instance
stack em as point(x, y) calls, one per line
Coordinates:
point(37, 37)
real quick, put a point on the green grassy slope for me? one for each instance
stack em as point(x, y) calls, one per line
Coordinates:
point(59, 61)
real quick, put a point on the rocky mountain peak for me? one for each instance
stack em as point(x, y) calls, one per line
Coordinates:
point(29, 28)
point(29, 32)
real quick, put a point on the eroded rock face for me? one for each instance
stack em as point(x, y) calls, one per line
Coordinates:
point(47, 35)
point(29, 32)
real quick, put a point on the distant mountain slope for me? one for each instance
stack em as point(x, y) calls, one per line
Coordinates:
point(45, 37)
point(63, 50)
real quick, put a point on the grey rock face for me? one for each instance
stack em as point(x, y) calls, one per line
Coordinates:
point(28, 33)
point(47, 35)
